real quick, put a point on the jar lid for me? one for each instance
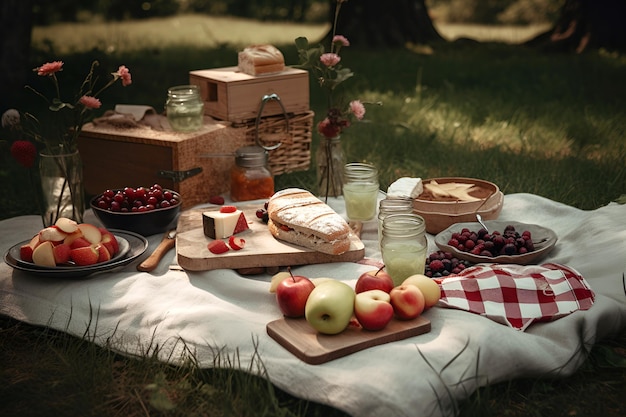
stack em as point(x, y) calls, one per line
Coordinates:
point(251, 157)
point(183, 92)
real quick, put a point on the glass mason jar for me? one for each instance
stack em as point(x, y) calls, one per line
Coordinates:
point(389, 206)
point(329, 160)
point(250, 179)
point(360, 190)
point(61, 186)
point(404, 245)
point(185, 108)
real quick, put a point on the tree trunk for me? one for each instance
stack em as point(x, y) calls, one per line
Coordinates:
point(15, 37)
point(586, 24)
point(378, 24)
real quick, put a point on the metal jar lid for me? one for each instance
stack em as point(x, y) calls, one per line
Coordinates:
point(251, 157)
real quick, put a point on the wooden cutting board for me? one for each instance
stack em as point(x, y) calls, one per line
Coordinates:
point(299, 338)
point(261, 250)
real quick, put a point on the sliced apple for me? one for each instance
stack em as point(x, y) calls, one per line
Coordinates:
point(26, 251)
point(66, 225)
point(52, 234)
point(79, 242)
point(103, 253)
point(85, 256)
point(43, 255)
point(109, 241)
point(90, 232)
point(62, 253)
point(70, 238)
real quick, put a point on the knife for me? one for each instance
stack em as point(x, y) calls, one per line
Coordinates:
point(151, 262)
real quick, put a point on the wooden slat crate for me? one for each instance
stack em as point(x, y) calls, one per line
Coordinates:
point(229, 94)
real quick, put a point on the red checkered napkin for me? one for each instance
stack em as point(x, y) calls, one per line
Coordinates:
point(517, 295)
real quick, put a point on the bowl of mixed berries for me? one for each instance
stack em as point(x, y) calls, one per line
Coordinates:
point(143, 210)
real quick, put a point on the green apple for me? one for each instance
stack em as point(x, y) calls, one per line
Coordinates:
point(330, 306)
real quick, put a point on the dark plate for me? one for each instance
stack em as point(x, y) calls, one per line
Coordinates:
point(543, 238)
point(134, 246)
point(15, 253)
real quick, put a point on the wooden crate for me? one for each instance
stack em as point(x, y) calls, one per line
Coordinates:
point(116, 158)
point(234, 96)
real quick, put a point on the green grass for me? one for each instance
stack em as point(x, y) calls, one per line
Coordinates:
point(529, 121)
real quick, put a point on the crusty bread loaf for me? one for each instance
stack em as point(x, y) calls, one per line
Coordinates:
point(297, 216)
point(261, 59)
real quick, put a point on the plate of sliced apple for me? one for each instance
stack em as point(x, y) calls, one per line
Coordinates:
point(68, 249)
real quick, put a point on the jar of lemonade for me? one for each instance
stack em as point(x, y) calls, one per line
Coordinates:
point(360, 190)
point(404, 245)
point(390, 206)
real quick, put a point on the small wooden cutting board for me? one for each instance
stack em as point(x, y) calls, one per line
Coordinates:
point(261, 249)
point(299, 338)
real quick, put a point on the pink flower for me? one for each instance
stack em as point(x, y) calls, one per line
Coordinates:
point(24, 152)
point(341, 40)
point(124, 74)
point(50, 68)
point(328, 129)
point(330, 60)
point(358, 109)
point(90, 102)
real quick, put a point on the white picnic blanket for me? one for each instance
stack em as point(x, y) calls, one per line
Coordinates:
point(221, 311)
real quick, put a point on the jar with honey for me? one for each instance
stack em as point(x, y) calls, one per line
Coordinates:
point(250, 179)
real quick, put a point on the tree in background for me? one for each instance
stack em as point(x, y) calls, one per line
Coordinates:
point(586, 24)
point(374, 23)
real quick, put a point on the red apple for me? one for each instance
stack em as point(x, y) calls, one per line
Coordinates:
point(84, 256)
point(62, 253)
point(430, 289)
point(292, 293)
point(374, 280)
point(407, 301)
point(373, 309)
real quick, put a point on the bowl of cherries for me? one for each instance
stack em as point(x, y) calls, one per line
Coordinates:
point(143, 210)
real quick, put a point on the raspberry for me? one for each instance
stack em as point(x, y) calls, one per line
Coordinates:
point(24, 152)
point(436, 265)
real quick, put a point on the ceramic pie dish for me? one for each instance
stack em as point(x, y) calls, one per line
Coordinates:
point(442, 213)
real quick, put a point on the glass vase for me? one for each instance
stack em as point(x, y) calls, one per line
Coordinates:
point(330, 160)
point(62, 190)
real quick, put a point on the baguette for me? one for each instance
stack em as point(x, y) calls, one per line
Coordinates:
point(261, 59)
point(297, 216)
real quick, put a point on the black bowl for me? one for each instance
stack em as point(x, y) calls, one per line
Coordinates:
point(145, 223)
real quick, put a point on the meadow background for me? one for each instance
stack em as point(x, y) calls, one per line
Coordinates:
point(530, 120)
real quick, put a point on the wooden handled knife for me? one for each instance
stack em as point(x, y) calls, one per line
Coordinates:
point(151, 262)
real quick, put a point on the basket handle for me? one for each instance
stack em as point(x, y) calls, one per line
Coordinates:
point(264, 100)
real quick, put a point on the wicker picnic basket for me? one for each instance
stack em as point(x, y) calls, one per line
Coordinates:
point(294, 134)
